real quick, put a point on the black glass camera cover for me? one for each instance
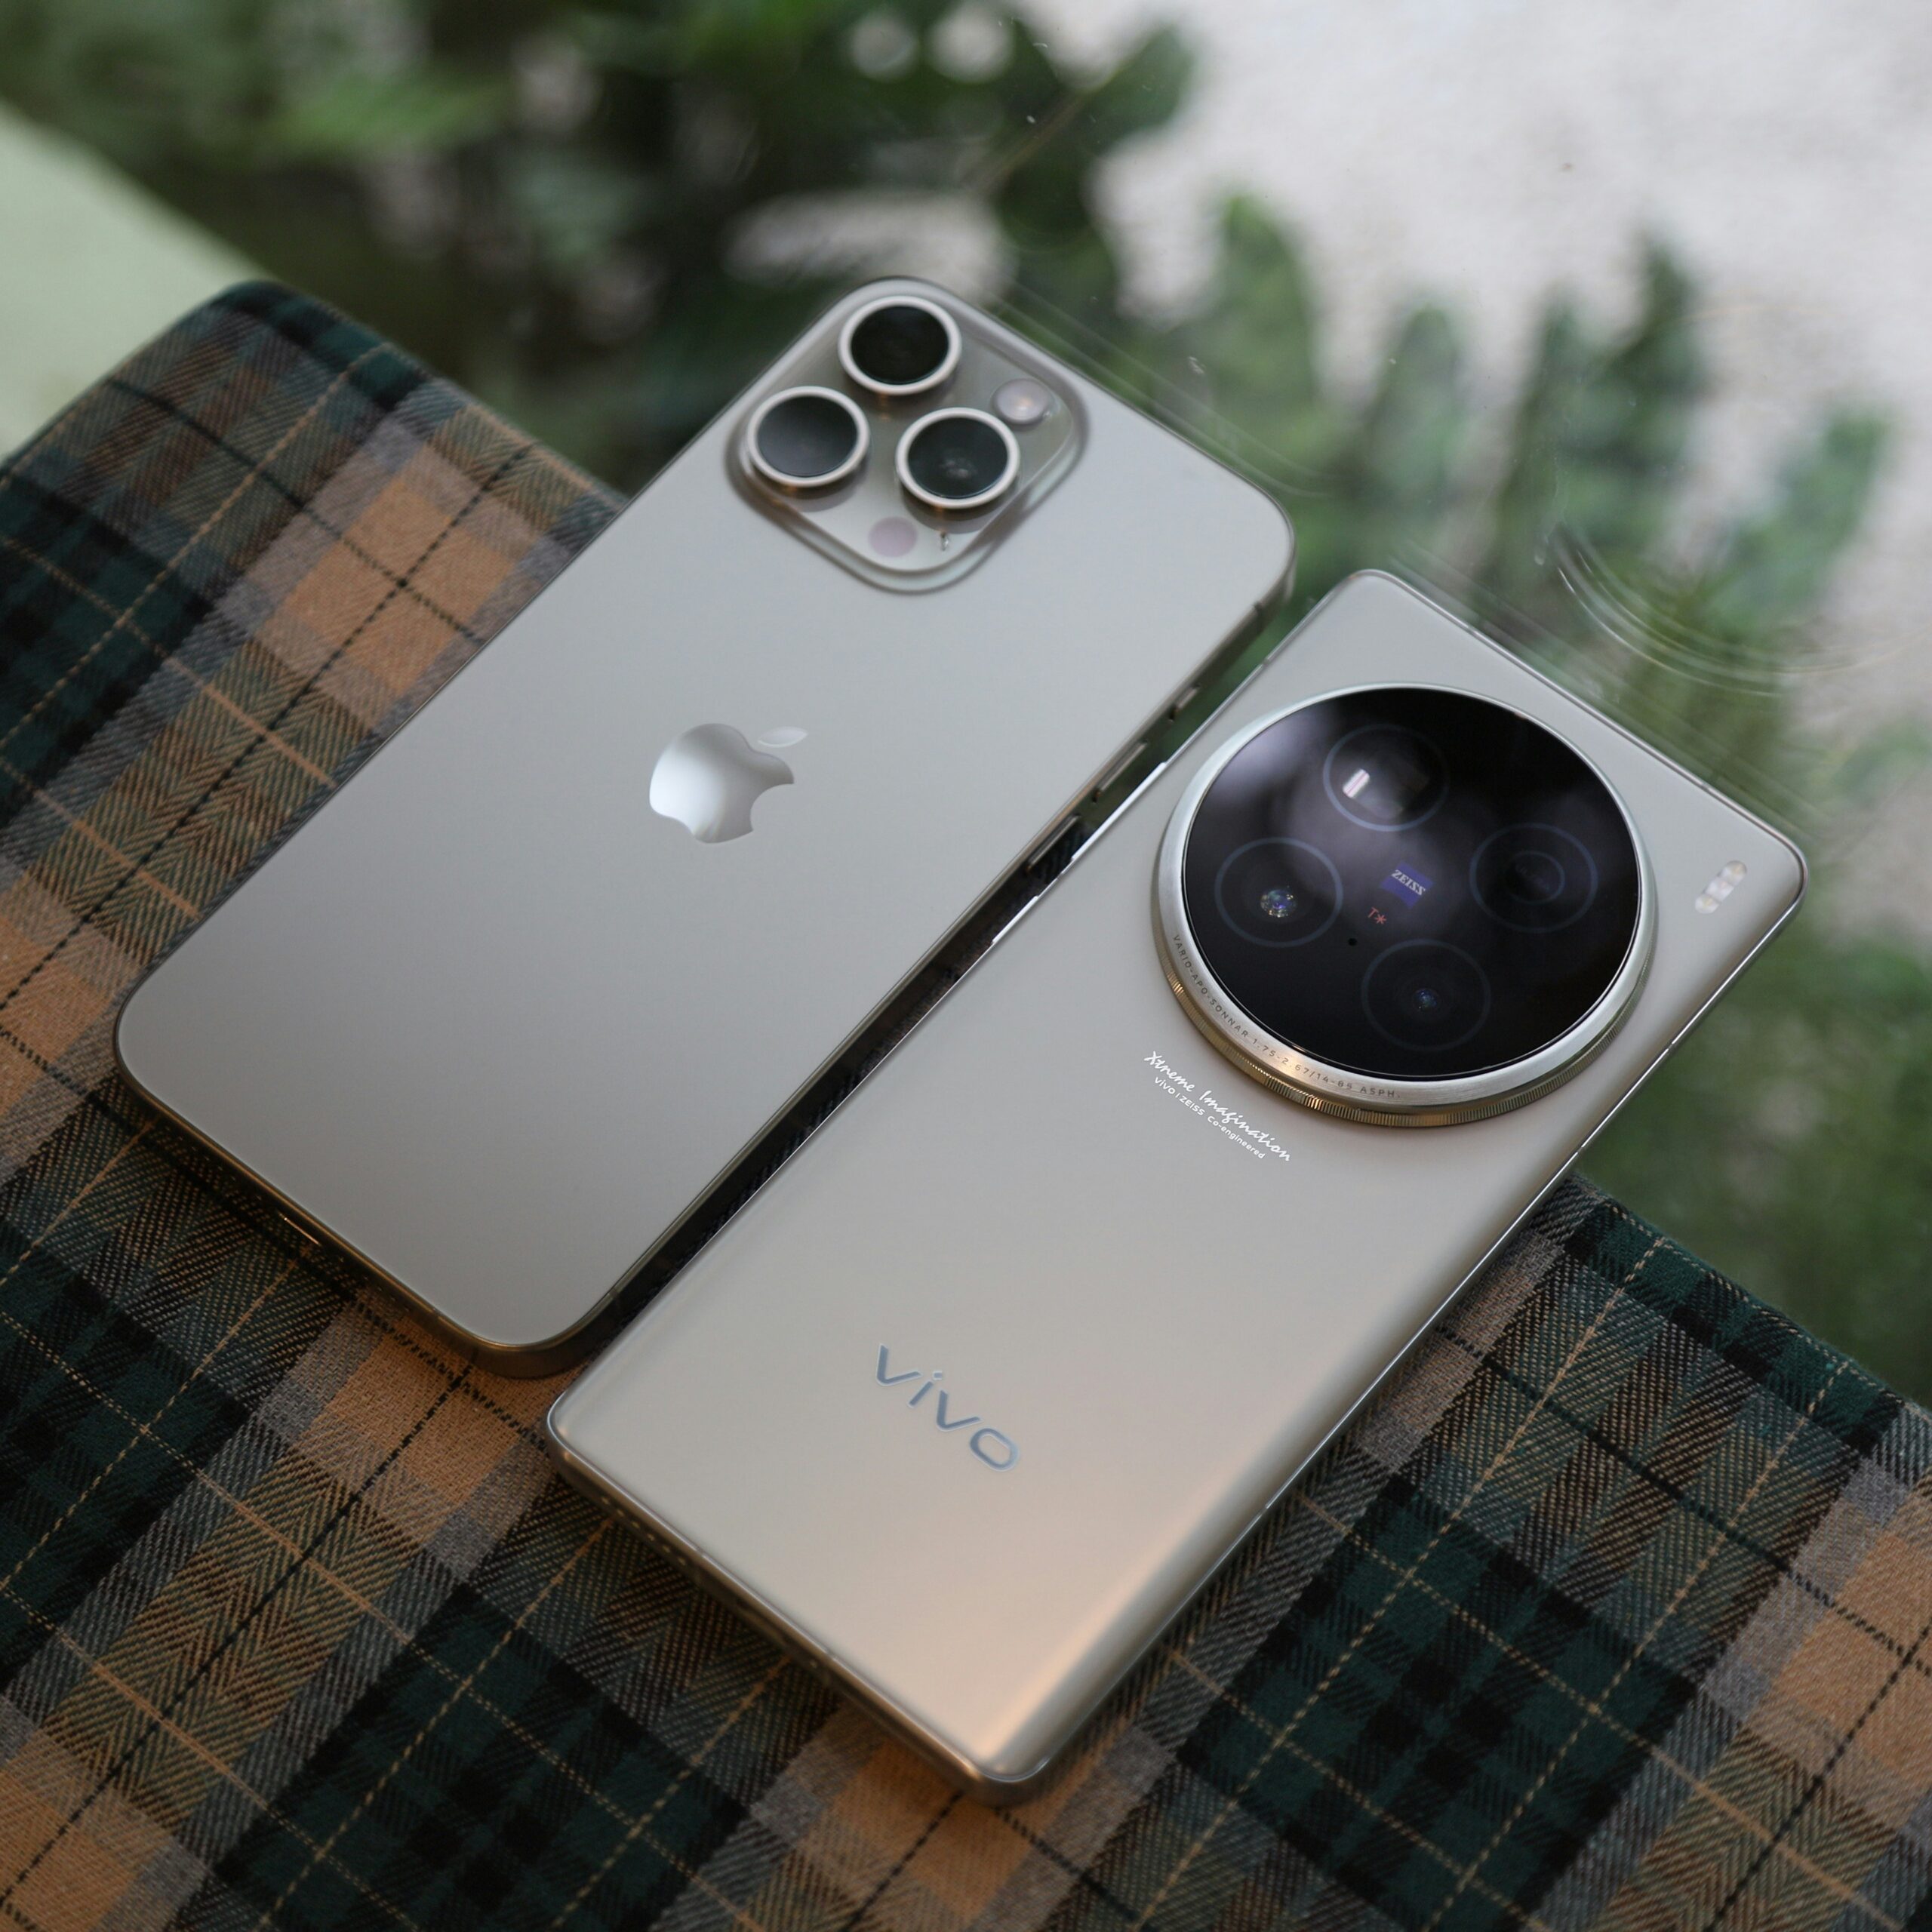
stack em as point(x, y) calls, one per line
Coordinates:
point(1412, 883)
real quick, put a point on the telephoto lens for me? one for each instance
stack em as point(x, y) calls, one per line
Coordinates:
point(900, 345)
point(807, 438)
point(957, 460)
point(1385, 777)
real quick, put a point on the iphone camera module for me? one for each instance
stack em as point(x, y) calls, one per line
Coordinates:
point(907, 435)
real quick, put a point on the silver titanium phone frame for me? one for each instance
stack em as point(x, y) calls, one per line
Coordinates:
point(446, 1054)
point(799, 1253)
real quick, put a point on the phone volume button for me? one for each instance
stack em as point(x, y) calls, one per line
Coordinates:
point(1040, 852)
point(1121, 767)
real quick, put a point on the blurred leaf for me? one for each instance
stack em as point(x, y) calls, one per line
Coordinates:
point(654, 49)
point(1039, 179)
point(1411, 435)
point(1526, 513)
point(1624, 430)
point(1882, 762)
point(360, 117)
point(727, 33)
point(1143, 93)
point(575, 210)
point(1257, 328)
point(1774, 569)
point(1791, 1142)
point(1597, 451)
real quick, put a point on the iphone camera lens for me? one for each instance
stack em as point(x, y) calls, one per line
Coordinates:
point(902, 346)
point(957, 460)
point(807, 438)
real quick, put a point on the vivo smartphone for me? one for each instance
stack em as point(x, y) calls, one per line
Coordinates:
point(507, 1010)
point(979, 1392)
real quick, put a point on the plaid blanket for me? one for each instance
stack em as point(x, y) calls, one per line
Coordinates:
point(1614, 1612)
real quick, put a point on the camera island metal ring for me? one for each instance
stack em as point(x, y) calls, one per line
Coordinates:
point(1344, 1091)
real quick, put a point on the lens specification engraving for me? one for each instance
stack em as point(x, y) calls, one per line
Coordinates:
point(1411, 884)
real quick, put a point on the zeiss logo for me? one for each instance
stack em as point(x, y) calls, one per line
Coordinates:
point(996, 1450)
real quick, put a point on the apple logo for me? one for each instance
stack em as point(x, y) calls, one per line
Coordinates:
point(708, 778)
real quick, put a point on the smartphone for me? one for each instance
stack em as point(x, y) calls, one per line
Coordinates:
point(511, 1007)
point(982, 1388)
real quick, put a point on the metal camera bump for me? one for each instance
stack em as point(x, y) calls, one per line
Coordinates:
point(1436, 949)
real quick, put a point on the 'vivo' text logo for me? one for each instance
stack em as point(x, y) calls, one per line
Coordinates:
point(996, 1449)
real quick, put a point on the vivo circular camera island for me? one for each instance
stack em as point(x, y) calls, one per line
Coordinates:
point(1404, 904)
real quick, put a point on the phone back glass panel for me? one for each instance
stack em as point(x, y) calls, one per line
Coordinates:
point(1162, 1285)
point(495, 1024)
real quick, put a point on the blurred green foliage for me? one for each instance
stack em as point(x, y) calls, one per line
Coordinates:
point(552, 201)
point(561, 202)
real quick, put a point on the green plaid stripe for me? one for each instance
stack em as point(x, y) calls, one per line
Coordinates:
point(1614, 1612)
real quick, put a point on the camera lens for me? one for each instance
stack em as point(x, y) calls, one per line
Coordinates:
point(1385, 777)
point(807, 438)
point(1427, 995)
point(957, 459)
point(902, 346)
point(1278, 891)
point(1534, 879)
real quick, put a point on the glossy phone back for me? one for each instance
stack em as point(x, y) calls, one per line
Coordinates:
point(495, 1025)
point(972, 1399)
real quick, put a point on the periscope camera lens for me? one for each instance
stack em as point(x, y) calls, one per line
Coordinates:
point(1386, 778)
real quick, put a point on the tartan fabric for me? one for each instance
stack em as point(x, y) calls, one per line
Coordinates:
point(1614, 1612)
